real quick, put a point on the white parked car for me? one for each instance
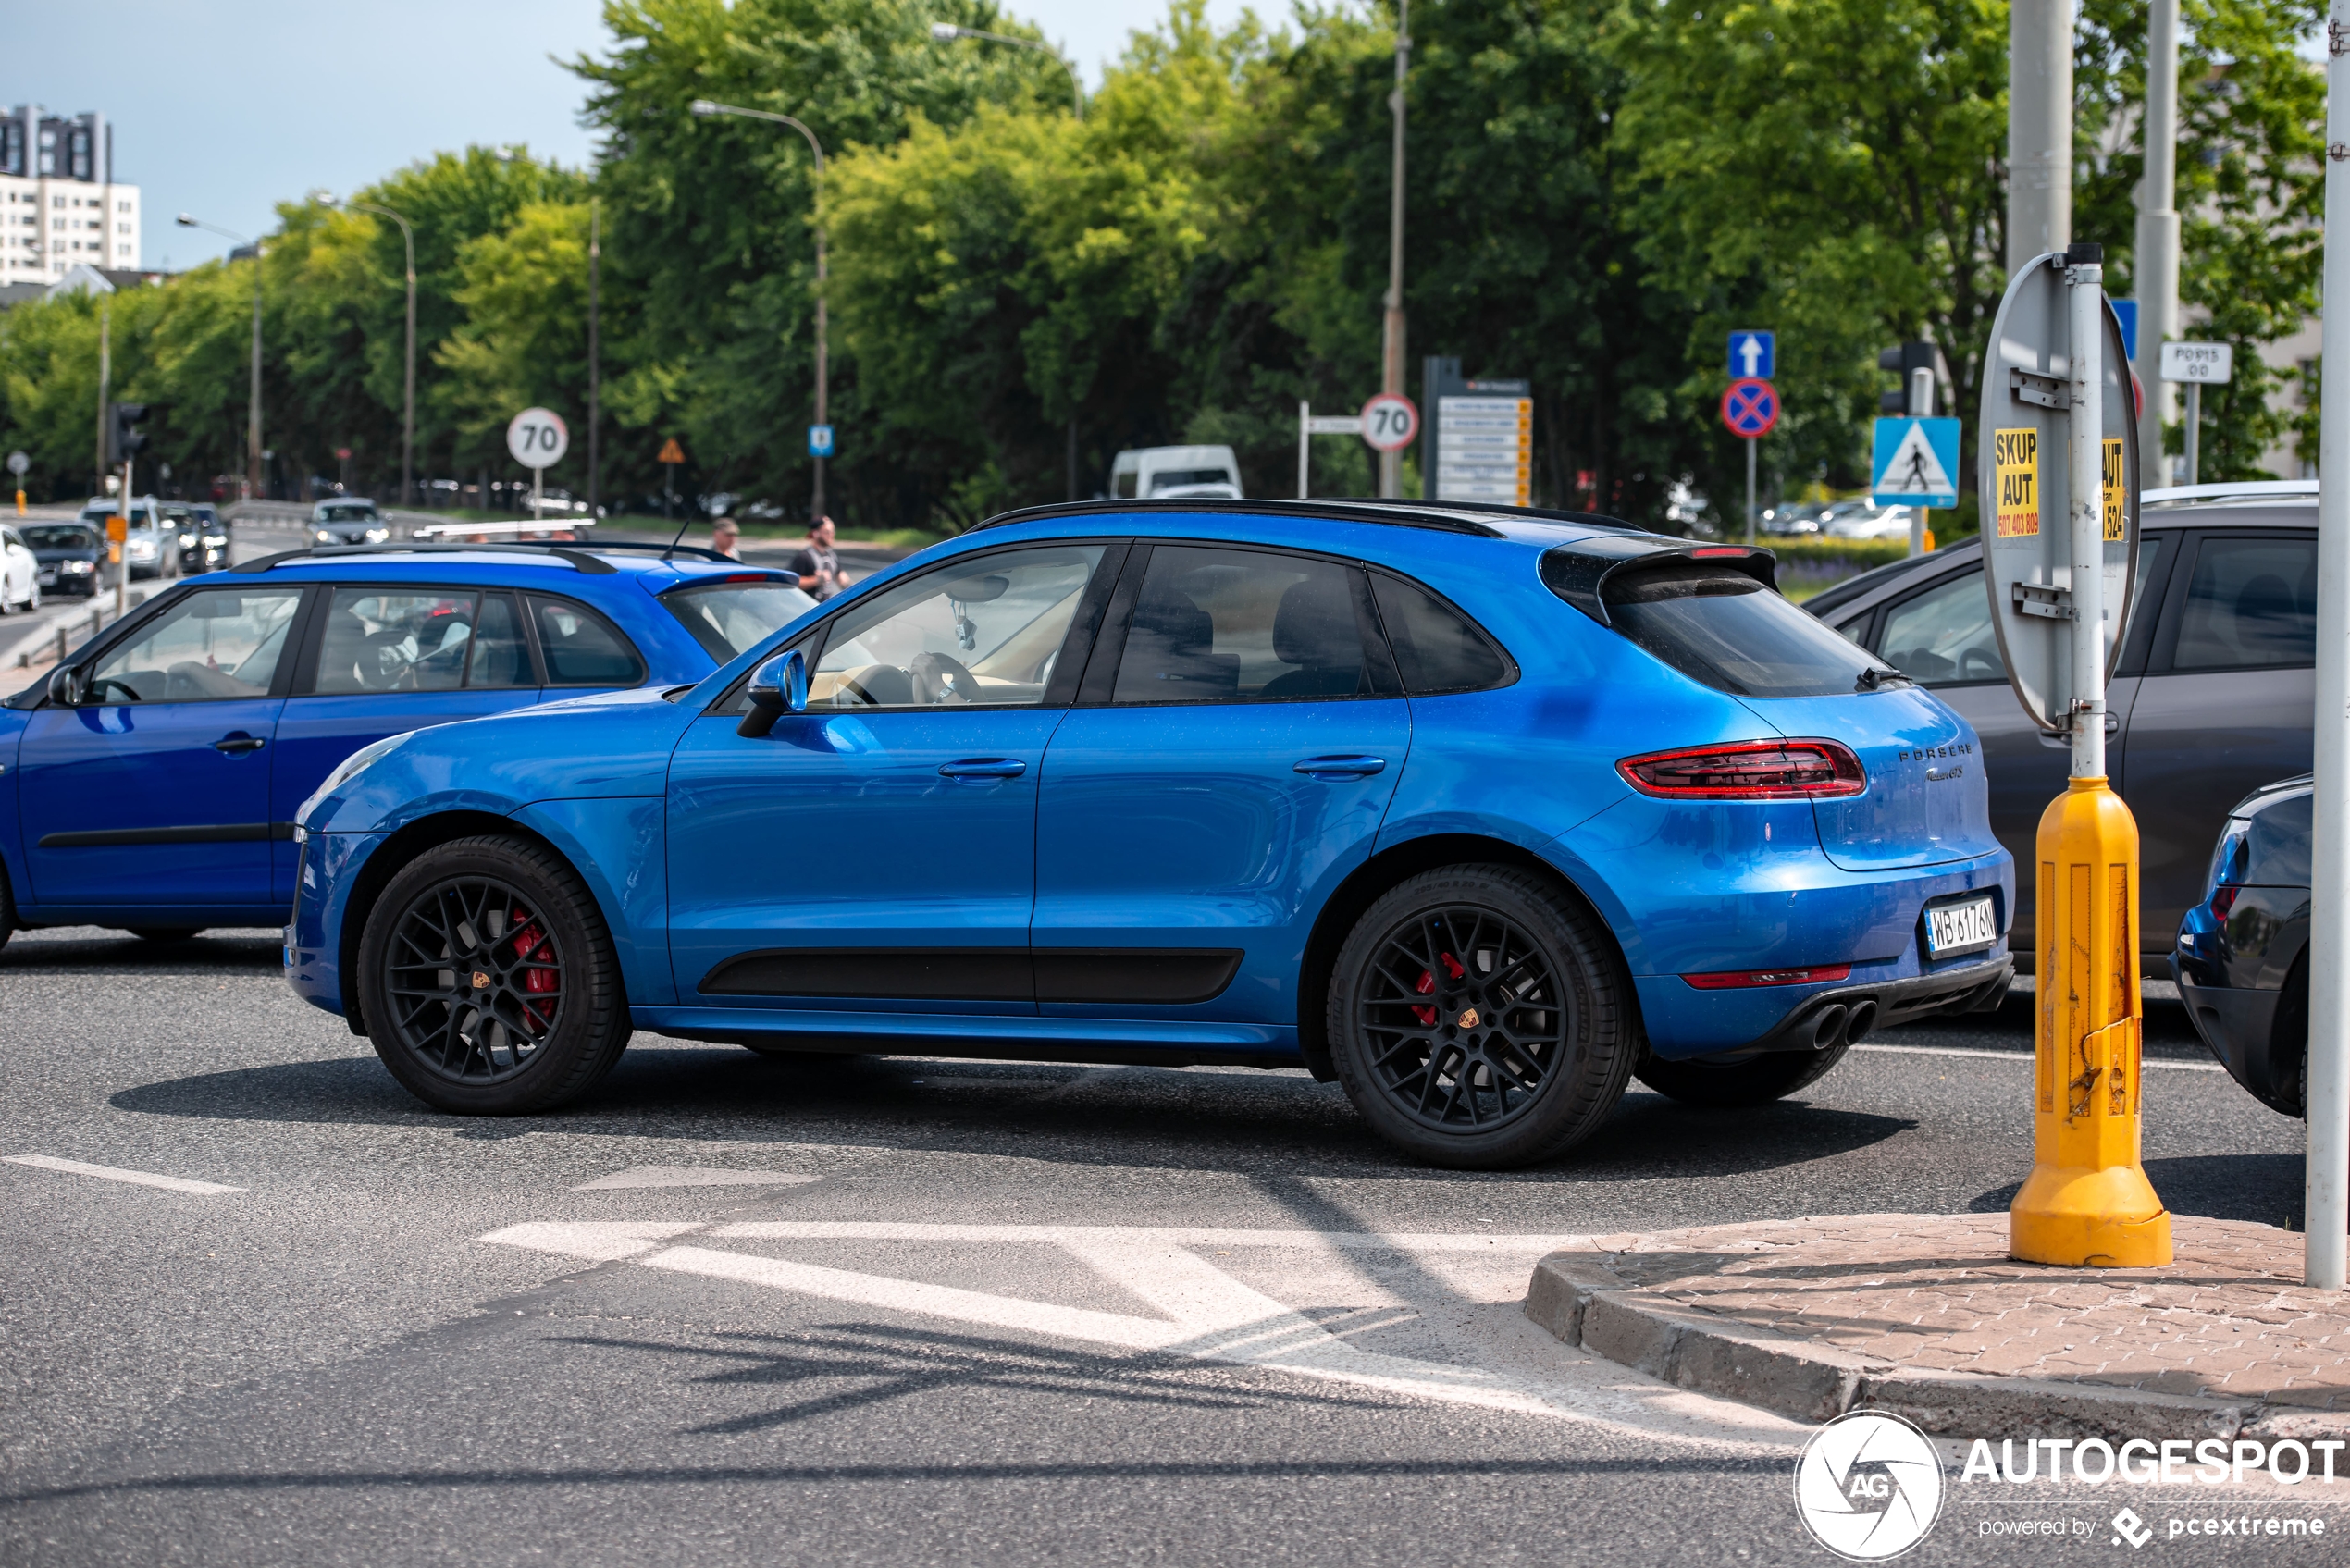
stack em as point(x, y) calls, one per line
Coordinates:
point(1174, 472)
point(1866, 520)
point(19, 573)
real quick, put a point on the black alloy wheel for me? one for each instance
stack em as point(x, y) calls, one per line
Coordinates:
point(1479, 1018)
point(489, 981)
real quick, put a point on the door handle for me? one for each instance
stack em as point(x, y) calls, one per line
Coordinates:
point(237, 745)
point(984, 768)
point(1340, 767)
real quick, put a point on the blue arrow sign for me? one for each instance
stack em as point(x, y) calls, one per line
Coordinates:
point(1916, 463)
point(820, 441)
point(1753, 355)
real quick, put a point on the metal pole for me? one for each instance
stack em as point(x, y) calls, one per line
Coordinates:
point(408, 397)
point(252, 410)
point(823, 372)
point(1305, 443)
point(2085, 457)
point(2039, 129)
point(595, 378)
point(1390, 463)
point(1072, 457)
point(122, 566)
point(538, 495)
point(2326, 1197)
point(2157, 263)
point(1921, 407)
point(1750, 489)
point(2195, 432)
point(105, 383)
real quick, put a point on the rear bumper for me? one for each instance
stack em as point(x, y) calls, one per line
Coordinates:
point(1848, 1013)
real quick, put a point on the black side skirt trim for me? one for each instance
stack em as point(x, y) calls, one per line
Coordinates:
point(216, 832)
point(1160, 976)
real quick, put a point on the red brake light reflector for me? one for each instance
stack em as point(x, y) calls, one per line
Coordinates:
point(1731, 980)
point(1716, 551)
point(1748, 770)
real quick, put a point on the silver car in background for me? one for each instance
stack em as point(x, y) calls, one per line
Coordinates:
point(2214, 696)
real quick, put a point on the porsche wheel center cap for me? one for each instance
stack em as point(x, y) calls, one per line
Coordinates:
point(481, 980)
point(1468, 1019)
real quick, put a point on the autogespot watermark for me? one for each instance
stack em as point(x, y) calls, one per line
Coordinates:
point(1870, 1486)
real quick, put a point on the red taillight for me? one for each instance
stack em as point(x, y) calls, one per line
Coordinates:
point(1730, 980)
point(1720, 550)
point(1748, 770)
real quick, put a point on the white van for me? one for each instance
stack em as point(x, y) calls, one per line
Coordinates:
point(1173, 472)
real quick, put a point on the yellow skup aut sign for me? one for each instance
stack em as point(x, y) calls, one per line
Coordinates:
point(2016, 457)
point(2115, 491)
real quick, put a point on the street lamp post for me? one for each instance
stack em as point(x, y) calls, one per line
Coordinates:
point(947, 33)
point(706, 108)
point(253, 412)
point(1390, 463)
point(408, 407)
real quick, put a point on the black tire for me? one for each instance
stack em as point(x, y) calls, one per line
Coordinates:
point(1517, 1055)
point(163, 933)
point(1754, 1081)
point(456, 963)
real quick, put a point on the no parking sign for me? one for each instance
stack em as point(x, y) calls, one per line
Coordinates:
point(1750, 407)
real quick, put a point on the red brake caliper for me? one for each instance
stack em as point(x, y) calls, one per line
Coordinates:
point(1426, 985)
point(539, 981)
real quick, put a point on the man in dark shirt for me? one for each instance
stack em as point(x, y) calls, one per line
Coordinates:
point(819, 565)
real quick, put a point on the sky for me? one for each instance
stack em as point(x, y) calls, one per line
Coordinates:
point(222, 109)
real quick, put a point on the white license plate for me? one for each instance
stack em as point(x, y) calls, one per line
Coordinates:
point(48, 575)
point(1959, 928)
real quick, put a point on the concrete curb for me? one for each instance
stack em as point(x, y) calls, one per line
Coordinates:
point(1577, 1298)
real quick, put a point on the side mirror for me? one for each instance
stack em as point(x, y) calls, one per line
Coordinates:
point(66, 686)
point(777, 687)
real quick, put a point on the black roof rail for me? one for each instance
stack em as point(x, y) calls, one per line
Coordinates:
point(579, 559)
point(1406, 514)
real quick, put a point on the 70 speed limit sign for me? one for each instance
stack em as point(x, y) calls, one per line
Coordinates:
point(538, 438)
point(1390, 421)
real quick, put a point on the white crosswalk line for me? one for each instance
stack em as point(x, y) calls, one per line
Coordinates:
point(116, 1173)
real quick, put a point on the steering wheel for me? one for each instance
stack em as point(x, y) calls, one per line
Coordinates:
point(1991, 669)
point(939, 679)
point(383, 661)
point(98, 689)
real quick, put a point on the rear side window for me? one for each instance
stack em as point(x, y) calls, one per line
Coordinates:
point(1436, 647)
point(1944, 636)
point(2252, 603)
point(581, 648)
point(1236, 625)
point(1726, 630)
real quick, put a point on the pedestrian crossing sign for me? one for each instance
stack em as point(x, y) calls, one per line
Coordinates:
point(1916, 463)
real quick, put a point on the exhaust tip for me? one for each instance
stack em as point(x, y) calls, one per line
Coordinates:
point(1828, 1027)
point(1863, 1019)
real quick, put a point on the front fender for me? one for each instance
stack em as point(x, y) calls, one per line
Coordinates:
point(616, 845)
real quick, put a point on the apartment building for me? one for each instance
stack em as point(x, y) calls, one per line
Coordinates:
point(59, 204)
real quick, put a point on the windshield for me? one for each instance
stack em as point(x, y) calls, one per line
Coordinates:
point(347, 512)
point(60, 536)
point(730, 617)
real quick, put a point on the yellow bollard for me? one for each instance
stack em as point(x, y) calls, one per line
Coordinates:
point(2087, 1200)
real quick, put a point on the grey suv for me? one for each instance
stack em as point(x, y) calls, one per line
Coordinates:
point(2214, 696)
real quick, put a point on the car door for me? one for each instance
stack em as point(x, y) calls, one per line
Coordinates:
point(878, 852)
point(2226, 705)
point(156, 790)
point(1240, 733)
point(387, 658)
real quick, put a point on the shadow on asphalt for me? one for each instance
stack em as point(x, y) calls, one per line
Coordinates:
point(91, 950)
point(2263, 1189)
point(1077, 1115)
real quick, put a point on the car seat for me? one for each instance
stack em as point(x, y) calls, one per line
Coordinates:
point(1313, 628)
point(1170, 655)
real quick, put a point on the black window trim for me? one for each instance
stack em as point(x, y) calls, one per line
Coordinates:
point(546, 671)
point(2164, 651)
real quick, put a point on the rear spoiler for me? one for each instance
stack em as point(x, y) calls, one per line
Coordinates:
point(1578, 572)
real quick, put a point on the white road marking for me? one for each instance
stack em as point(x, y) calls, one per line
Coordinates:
point(1455, 1296)
point(2026, 1056)
point(115, 1172)
point(693, 1176)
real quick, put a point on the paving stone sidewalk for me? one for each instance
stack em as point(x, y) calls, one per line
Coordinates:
point(1925, 1314)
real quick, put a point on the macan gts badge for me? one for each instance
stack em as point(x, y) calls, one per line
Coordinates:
point(1479, 812)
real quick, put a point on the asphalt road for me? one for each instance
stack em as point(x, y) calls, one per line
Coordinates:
point(937, 1312)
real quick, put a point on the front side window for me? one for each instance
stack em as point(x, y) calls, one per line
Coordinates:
point(220, 644)
point(1238, 625)
point(581, 648)
point(1944, 637)
point(2252, 603)
point(396, 640)
point(985, 631)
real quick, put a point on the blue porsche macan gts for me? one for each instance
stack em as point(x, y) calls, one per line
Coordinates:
point(1480, 813)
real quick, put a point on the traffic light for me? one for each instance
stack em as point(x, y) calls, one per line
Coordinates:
point(125, 440)
point(1902, 359)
